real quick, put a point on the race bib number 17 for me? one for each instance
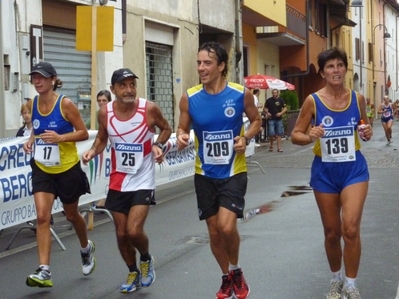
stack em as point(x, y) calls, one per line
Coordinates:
point(47, 154)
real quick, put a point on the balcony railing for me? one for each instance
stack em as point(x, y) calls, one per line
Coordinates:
point(296, 25)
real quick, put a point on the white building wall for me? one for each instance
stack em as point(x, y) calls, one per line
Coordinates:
point(391, 52)
point(16, 18)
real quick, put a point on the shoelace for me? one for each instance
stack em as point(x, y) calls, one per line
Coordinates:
point(335, 288)
point(226, 284)
point(238, 280)
point(145, 267)
point(85, 258)
point(353, 293)
point(131, 278)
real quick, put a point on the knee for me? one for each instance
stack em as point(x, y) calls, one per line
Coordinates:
point(43, 217)
point(333, 236)
point(351, 233)
point(133, 234)
point(72, 217)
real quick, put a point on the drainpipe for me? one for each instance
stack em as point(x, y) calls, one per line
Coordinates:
point(385, 55)
point(397, 54)
point(238, 41)
point(124, 21)
point(2, 94)
point(361, 48)
point(302, 74)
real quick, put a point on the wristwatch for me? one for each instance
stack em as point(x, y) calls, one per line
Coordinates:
point(158, 144)
point(247, 140)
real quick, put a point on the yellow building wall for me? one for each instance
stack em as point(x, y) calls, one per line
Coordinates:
point(271, 9)
point(249, 40)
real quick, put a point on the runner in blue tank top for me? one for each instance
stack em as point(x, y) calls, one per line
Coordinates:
point(339, 175)
point(386, 112)
point(214, 109)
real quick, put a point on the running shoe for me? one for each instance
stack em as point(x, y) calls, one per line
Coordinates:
point(88, 260)
point(147, 273)
point(240, 286)
point(41, 279)
point(335, 289)
point(226, 290)
point(350, 293)
point(132, 283)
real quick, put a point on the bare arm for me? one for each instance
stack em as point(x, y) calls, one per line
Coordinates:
point(100, 142)
point(183, 129)
point(253, 115)
point(300, 134)
point(158, 120)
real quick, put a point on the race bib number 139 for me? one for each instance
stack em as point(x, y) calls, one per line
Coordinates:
point(338, 144)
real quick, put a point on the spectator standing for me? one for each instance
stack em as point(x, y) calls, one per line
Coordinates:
point(26, 128)
point(56, 170)
point(103, 98)
point(256, 93)
point(214, 109)
point(339, 173)
point(274, 108)
point(129, 123)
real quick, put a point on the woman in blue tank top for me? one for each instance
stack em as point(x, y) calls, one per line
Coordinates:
point(386, 112)
point(339, 175)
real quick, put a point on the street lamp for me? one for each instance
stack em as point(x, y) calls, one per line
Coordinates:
point(386, 33)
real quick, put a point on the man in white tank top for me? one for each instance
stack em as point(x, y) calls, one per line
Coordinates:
point(129, 124)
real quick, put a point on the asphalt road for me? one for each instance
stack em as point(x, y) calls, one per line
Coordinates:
point(282, 251)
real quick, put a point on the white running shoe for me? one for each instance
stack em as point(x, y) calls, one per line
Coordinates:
point(88, 260)
point(335, 289)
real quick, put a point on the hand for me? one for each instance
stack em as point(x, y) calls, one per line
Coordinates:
point(28, 147)
point(157, 153)
point(182, 140)
point(88, 155)
point(367, 132)
point(316, 132)
point(240, 144)
point(50, 137)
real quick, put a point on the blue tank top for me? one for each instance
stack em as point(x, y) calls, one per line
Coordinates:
point(55, 121)
point(330, 118)
point(216, 120)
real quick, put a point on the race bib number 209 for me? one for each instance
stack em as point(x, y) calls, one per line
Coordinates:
point(218, 147)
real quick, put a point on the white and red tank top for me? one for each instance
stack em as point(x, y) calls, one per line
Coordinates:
point(132, 164)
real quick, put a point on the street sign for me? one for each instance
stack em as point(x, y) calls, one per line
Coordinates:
point(104, 27)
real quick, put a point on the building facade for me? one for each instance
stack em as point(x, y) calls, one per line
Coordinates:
point(160, 42)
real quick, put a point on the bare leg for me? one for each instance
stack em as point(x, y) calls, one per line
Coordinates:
point(43, 202)
point(353, 198)
point(79, 224)
point(224, 238)
point(278, 137)
point(330, 208)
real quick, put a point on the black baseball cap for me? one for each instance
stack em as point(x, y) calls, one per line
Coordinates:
point(121, 74)
point(45, 69)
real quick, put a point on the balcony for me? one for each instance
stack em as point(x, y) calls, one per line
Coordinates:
point(292, 35)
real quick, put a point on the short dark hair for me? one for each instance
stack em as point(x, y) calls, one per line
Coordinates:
point(219, 51)
point(333, 53)
point(105, 93)
point(256, 91)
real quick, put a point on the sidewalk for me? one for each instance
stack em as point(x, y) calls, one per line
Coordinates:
point(377, 153)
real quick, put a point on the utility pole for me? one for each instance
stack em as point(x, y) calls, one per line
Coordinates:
point(2, 93)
